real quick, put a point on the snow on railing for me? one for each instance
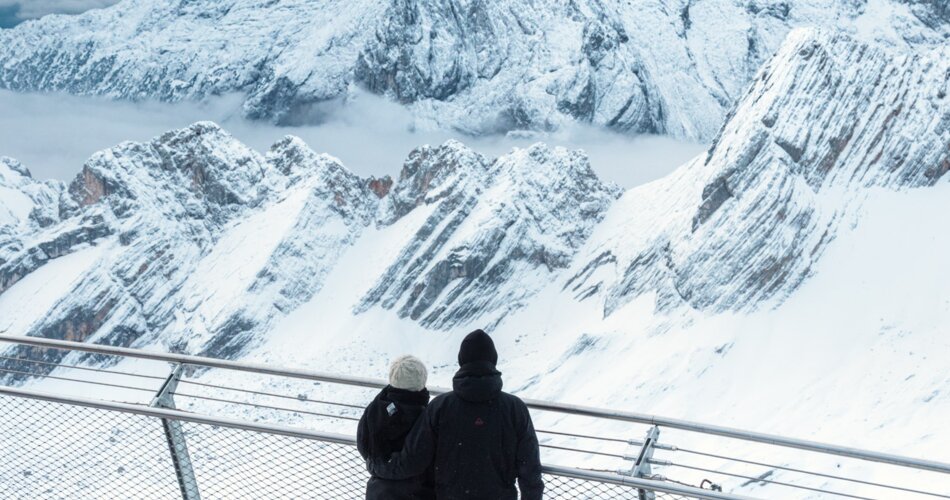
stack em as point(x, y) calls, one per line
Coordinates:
point(60, 446)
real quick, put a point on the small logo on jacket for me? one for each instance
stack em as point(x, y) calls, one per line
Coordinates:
point(391, 409)
point(479, 422)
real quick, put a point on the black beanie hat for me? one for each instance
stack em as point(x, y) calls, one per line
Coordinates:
point(477, 346)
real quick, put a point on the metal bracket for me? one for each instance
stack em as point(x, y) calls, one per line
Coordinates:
point(642, 468)
point(165, 398)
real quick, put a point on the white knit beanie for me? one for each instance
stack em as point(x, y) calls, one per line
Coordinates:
point(408, 373)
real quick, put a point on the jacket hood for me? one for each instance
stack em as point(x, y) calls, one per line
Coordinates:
point(477, 382)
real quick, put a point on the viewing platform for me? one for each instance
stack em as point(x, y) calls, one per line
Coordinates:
point(56, 445)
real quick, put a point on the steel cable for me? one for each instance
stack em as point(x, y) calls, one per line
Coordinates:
point(152, 391)
point(278, 408)
point(759, 479)
point(100, 370)
point(271, 394)
point(361, 407)
point(820, 474)
point(578, 450)
point(585, 436)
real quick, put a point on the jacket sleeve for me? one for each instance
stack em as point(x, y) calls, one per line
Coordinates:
point(415, 457)
point(529, 460)
point(364, 436)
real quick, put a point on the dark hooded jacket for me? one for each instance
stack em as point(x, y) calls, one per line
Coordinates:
point(382, 431)
point(478, 439)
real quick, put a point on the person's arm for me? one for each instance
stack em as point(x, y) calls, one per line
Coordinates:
point(363, 443)
point(415, 457)
point(529, 460)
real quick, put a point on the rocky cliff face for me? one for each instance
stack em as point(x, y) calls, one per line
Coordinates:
point(26, 206)
point(826, 121)
point(670, 66)
point(498, 231)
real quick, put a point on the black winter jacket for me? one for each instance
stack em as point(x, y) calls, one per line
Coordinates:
point(382, 431)
point(478, 439)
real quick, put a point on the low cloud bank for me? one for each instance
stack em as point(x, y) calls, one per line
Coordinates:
point(53, 135)
point(13, 12)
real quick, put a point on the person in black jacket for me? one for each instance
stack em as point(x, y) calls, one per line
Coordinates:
point(385, 424)
point(478, 439)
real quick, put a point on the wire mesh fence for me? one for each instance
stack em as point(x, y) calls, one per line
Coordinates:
point(55, 451)
point(233, 463)
point(60, 451)
point(581, 489)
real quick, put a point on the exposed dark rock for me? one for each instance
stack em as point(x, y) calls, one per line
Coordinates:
point(714, 195)
point(381, 187)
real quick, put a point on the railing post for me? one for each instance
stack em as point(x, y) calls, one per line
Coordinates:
point(641, 468)
point(165, 398)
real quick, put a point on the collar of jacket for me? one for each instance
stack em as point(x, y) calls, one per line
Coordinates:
point(391, 393)
point(477, 382)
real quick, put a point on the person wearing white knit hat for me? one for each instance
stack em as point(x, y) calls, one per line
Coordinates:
point(387, 421)
point(408, 373)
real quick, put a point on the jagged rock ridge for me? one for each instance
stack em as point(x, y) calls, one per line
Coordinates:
point(205, 243)
point(494, 224)
point(673, 66)
point(185, 219)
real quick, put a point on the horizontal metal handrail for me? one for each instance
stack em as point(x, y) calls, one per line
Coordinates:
point(640, 418)
point(758, 437)
point(635, 482)
point(148, 411)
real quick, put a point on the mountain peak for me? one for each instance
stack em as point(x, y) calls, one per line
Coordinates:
point(10, 167)
point(431, 174)
point(204, 164)
point(493, 227)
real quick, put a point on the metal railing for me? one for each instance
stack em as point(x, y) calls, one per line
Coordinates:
point(116, 450)
point(197, 445)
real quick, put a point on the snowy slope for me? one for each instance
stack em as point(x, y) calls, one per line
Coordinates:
point(26, 205)
point(664, 66)
point(23, 200)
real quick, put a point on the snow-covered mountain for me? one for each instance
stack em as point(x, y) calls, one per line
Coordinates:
point(489, 224)
point(825, 121)
point(803, 254)
point(198, 242)
point(195, 241)
point(665, 66)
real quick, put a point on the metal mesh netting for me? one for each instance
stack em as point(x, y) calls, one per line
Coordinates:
point(580, 489)
point(60, 451)
point(56, 451)
point(568, 487)
point(234, 463)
